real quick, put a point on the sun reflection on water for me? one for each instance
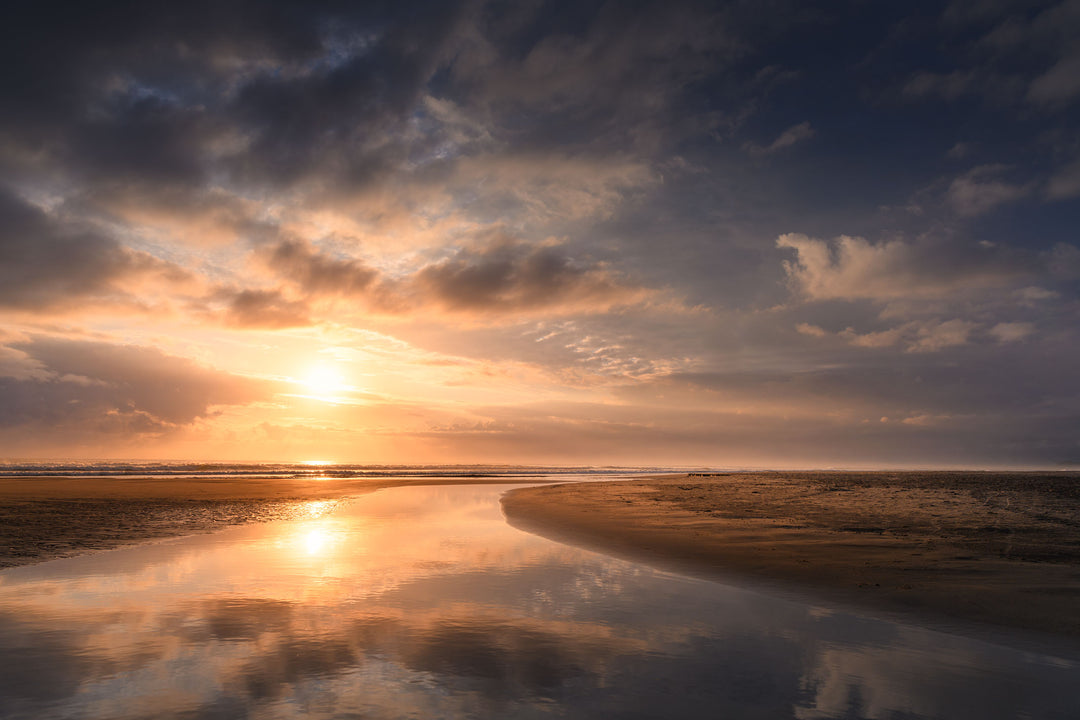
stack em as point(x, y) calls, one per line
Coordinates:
point(315, 541)
point(317, 532)
point(318, 508)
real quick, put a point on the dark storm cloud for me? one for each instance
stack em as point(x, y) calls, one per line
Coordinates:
point(175, 93)
point(339, 118)
point(592, 74)
point(149, 140)
point(45, 262)
point(508, 276)
point(97, 387)
point(269, 94)
point(261, 309)
point(126, 88)
point(319, 274)
point(499, 276)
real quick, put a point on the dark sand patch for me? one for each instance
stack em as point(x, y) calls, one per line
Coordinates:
point(997, 548)
point(44, 518)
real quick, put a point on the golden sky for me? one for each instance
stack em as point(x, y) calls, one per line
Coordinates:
point(561, 233)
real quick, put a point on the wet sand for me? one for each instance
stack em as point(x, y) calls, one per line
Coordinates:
point(984, 548)
point(44, 518)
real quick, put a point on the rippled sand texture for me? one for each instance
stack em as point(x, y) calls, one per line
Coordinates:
point(37, 530)
point(986, 547)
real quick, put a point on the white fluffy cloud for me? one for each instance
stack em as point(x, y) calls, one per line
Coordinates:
point(853, 268)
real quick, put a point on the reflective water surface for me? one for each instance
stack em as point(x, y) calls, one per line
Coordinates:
point(422, 602)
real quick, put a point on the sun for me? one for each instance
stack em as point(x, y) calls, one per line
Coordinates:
point(323, 381)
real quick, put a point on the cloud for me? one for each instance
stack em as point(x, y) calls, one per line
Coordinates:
point(936, 335)
point(811, 330)
point(106, 70)
point(785, 419)
point(498, 277)
point(977, 192)
point(319, 274)
point(610, 82)
point(1063, 263)
point(1058, 84)
point(1008, 332)
point(946, 85)
point(1032, 295)
point(460, 174)
point(1015, 54)
point(791, 136)
point(917, 336)
point(1065, 183)
point(344, 118)
point(46, 262)
point(330, 100)
point(17, 365)
point(879, 339)
point(187, 216)
point(959, 151)
point(81, 387)
point(852, 268)
point(142, 139)
point(261, 309)
point(513, 277)
point(548, 185)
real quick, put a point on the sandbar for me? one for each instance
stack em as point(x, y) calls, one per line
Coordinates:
point(979, 548)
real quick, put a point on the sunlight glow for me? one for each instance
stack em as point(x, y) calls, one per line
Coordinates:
point(315, 541)
point(318, 508)
point(324, 381)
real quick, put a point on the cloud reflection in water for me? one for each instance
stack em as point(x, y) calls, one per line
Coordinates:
point(422, 602)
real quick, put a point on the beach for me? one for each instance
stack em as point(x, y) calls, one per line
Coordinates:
point(994, 548)
point(423, 602)
point(45, 518)
point(1001, 549)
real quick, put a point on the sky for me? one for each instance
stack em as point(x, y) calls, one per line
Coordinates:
point(746, 234)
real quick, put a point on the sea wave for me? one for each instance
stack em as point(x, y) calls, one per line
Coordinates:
point(286, 470)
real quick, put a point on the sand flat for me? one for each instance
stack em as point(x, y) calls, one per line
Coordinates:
point(996, 548)
point(45, 518)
